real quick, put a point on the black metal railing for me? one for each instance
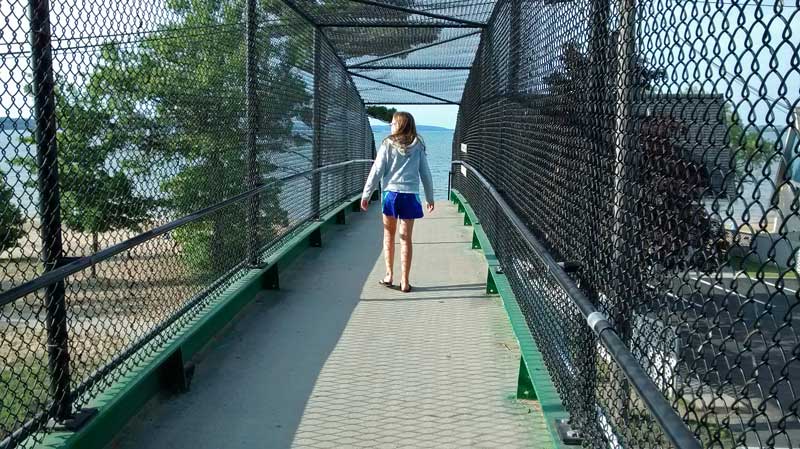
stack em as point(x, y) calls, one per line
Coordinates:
point(149, 165)
point(508, 231)
point(652, 144)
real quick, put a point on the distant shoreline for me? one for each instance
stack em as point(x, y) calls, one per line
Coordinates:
point(421, 128)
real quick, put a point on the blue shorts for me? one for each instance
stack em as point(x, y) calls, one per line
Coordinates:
point(406, 206)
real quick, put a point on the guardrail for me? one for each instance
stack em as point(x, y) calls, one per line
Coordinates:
point(112, 322)
point(493, 209)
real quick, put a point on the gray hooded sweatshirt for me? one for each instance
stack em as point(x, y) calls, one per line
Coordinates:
point(399, 168)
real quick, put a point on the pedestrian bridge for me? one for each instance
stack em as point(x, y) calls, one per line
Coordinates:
point(333, 359)
point(613, 264)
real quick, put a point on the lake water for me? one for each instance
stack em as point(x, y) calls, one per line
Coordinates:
point(11, 148)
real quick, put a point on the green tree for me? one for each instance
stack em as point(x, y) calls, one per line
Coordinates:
point(750, 149)
point(381, 112)
point(193, 88)
point(173, 107)
point(97, 193)
point(11, 220)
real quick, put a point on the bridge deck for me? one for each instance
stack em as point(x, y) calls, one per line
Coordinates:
point(335, 360)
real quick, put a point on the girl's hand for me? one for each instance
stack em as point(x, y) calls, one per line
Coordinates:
point(430, 207)
point(364, 205)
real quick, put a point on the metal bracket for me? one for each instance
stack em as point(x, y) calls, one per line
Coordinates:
point(270, 280)
point(525, 389)
point(78, 419)
point(341, 217)
point(476, 243)
point(498, 269)
point(175, 375)
point(315, 239)
point(66, 260)
point(568, 435)
point(571, 266)
point(491, 286)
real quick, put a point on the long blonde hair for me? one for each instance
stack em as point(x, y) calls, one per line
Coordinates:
point(406, 128)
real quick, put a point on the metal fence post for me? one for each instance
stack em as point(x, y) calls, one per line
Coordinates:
point(316, 156)
point(599, 139)
point(624, 247)
point(253, 175)
point(50, 206)
point(511, 92)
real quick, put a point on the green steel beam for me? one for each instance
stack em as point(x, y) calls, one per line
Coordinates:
point(534, 379)
point(142, 378)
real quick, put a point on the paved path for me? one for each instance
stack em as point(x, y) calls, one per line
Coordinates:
point(334, 360)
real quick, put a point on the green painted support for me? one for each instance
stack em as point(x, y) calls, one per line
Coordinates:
point(356, 206)
point(162, 364)
point(467, 221)
point(525, 389)
point(534, 379)
point(460, 207)
point(270, 280)
point(476, 243)
point(315, 239)
point(341, 217)
point(175, 374)
point(491, 287)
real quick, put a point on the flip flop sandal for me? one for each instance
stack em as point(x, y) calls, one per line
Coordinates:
point(407, 290)
point(385, 284)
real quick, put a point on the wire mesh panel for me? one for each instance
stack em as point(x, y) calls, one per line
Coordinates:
point(654, 143)
point(119, 118)
point(344, 129)
point(402, 12)
point(406, 64)
point(407, 36)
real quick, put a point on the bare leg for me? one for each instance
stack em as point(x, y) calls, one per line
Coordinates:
point(389, 228)
point(406, 229)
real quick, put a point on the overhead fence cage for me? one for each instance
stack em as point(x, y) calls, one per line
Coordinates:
point(153, 152)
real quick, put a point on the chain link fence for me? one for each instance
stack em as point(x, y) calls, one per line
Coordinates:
point(235, 118)
point(655, 144)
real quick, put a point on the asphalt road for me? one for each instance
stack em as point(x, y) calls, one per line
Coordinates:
point(742, 337)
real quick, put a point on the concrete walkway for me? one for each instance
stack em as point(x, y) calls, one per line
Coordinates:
point(334, 360)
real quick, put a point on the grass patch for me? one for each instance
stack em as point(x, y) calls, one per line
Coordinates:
point(752, 268)
point(23, 393)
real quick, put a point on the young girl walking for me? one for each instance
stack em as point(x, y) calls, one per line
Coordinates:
point(399, 165)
